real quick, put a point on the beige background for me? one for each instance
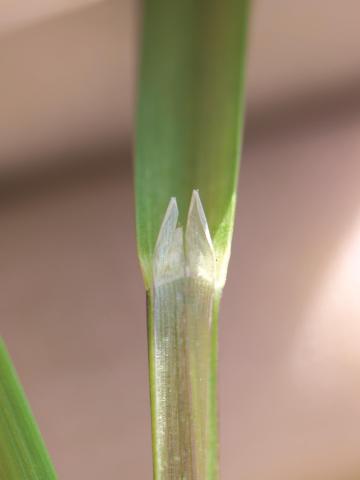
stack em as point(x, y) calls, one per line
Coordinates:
point(72, 306)
point(68, 68)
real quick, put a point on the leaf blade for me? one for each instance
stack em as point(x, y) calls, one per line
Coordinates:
point(22, 450)
point(189, 117)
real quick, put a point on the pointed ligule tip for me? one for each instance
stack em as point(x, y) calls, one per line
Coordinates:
point(199, 247)
point(172, 212)
point(196, 221)
point(196, 208)
point(173, 205)
point(168, 225)
point(168, 260)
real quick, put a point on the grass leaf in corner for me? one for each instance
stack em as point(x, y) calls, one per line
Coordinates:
point(23, 455)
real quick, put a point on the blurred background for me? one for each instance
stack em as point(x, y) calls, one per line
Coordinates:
point(72, 307)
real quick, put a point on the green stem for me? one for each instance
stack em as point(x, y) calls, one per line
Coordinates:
point(182, 327)
point(183, 381)
point(213, 457)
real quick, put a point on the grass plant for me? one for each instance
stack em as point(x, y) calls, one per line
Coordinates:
point(188, 142)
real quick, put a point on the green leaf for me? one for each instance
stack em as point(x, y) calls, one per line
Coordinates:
point(23, 455)
point(189, 117)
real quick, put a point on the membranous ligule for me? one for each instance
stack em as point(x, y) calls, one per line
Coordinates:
point(182, 303)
